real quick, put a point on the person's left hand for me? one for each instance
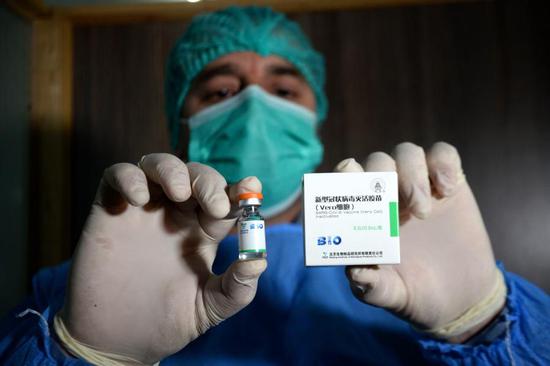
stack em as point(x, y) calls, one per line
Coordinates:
point(447, 270)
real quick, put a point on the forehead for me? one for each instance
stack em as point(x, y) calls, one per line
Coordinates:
point(249, 63)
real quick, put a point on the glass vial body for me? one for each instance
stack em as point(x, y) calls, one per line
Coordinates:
point(251, 227)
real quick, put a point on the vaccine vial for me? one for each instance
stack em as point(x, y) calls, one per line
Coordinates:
point(251, 227)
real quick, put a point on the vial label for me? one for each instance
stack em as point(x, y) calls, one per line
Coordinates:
point(252, 236)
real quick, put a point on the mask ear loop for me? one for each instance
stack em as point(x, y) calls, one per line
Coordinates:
point(179, 149)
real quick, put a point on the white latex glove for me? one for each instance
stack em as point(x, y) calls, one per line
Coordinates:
point(141, 283)
point(447, 276)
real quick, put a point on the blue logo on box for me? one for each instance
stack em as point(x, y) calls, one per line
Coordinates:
point(329, 240)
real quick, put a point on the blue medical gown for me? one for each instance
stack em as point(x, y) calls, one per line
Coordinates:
point(300, 316)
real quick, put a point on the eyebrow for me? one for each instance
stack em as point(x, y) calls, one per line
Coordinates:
point(279, 70)
point(212, 72)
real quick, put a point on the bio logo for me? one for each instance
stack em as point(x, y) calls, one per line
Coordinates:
point(329, 240)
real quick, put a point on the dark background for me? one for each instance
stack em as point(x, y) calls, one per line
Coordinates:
point(474, 74)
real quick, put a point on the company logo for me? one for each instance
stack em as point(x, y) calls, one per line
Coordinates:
point(378, 185)
point(256, 226)
point(329, 240)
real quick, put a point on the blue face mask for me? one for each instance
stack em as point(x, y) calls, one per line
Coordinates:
point(255, 133)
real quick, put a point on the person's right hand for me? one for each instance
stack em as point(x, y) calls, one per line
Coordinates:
point(141, 282)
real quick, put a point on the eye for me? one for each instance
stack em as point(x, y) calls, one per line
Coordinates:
point(219, 94)
point(285, 93)
point(223, 93)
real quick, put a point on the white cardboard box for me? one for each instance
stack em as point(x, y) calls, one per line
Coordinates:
point(351, 218)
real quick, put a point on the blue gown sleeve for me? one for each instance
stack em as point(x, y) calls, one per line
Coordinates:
point(26, 339)
point(525, 340)
point(26, 332)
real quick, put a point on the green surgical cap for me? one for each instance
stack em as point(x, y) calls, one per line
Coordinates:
point(238, 29)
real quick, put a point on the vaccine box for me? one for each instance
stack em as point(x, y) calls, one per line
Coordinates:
point(351, 218)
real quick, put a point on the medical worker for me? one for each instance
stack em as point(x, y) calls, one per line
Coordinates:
point(150, 280)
